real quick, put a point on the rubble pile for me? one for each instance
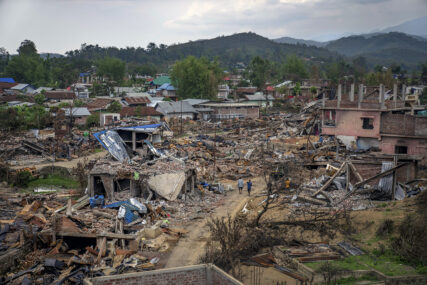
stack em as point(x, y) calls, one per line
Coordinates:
point(42, 146)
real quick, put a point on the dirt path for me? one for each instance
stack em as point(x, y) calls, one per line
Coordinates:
point(67, 164)
point(190, 248)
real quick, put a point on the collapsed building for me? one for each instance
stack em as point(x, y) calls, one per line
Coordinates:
point(373, 121)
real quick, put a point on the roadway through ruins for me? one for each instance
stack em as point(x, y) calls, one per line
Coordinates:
point(189, 249)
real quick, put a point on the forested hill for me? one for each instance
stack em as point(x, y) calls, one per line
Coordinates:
point(383, 48)
point(229, 50)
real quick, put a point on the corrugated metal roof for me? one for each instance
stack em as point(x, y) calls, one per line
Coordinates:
point(162, 80)
point(137, 100)
point(175, 107)
point(61, 94)
point(20, 86)
point(166, 86)
point(196, 101)
point(77, 111)
point(259, 96)
point(230, 105)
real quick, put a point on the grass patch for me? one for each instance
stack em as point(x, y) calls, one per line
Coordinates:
point(348, 263)
point(354, 280)
point(56, 181)
point(387, 263)
point(97, 150)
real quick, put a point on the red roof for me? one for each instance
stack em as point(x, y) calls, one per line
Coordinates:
point(137, 100)
point(143, 111)
point(227, 78)
point(269, 88)
point(99, 104)
point(58, 95)
point(7, 85)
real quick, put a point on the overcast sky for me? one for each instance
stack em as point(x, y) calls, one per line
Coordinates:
point(62, 25)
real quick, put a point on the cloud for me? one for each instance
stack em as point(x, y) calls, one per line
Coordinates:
point(61, 25)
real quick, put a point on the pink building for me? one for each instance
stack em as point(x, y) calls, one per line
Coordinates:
point(389, 126)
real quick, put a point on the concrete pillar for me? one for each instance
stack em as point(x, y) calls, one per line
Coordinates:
point(133, 188)
point(352, 92)
point(381, 97)
point(395, 92)
point(380, 93)
point(133, 141)
point(339, 96)
point(91, 185)
point(323, 100)
point(403, 92)
point(360, 97)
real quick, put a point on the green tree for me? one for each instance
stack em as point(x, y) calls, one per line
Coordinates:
point(111, 68)
point(4, 59)
point(27, 48)
point(196, 77)
point(28, 66)
point(259, 72)
point(114, 107)
point(294, 68)
point(92, 121)
point(40, 99)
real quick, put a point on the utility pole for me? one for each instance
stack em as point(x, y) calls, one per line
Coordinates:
point(181, 116)
point(214, 151)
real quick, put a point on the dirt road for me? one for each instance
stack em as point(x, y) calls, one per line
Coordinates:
point(190, 248)
point(67, 164)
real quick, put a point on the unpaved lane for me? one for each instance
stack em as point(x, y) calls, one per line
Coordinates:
point(190, 248)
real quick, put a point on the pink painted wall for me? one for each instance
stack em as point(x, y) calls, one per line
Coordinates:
point(415, 146)
point(349, 123)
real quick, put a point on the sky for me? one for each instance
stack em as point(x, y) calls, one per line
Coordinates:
point(63, 25)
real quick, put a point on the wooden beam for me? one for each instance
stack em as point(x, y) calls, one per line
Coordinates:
point(353, 168)
point(382, 174)
point(393, 187)
point(326, 185)
point(116, 235)
point(311, 200)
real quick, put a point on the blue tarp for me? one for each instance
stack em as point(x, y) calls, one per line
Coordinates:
point(7, 80)
point(129, 215)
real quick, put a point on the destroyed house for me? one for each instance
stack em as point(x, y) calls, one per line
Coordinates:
point(366, 123)
point(165, 177)
point(135, 136)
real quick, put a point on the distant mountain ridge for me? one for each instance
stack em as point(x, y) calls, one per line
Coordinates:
point(293, 41)
point(416, 27)
point(232, 49)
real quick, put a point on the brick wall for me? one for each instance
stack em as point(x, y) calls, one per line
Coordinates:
point(247, 112)
point(203, 274)
point(397, 124)
point(195, 276)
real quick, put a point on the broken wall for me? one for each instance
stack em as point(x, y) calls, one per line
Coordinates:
point(350, 123)
point(397, 124)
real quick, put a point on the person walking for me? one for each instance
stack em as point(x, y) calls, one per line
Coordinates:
point(249, 185)
point(240, 185)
